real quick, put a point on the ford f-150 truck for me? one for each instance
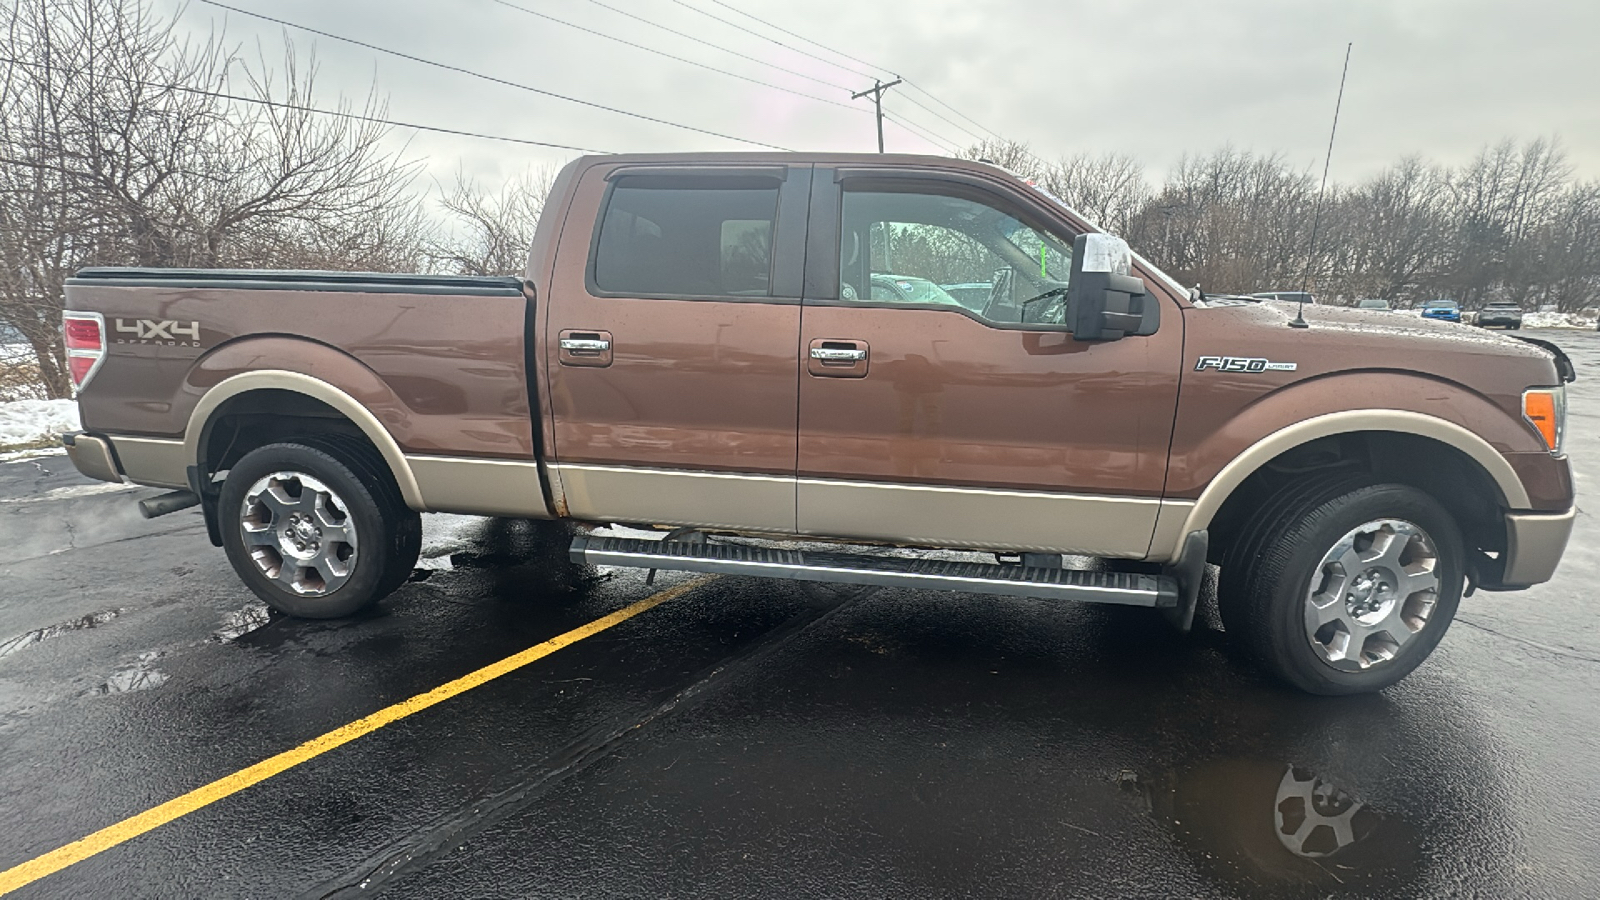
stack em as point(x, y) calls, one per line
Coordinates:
point(701, 345)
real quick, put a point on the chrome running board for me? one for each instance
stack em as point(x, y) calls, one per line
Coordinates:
point(853, 568)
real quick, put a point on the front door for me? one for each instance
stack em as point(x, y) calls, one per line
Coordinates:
point(944, 402)
point(671, 351)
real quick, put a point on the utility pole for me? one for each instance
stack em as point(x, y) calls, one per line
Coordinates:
point(876, 91)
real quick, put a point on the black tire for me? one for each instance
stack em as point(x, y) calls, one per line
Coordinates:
point(1264, 595)
point(388, 534)
point(369, 465)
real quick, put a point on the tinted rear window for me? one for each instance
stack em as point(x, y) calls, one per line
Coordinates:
point(685, 236)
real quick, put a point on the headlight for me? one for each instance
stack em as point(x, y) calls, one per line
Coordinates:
point(1546, 410)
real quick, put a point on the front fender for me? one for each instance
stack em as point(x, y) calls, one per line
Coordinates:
point(1210, 460)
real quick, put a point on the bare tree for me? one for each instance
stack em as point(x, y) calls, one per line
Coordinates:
point(494, 231)
point(120, 145)
point(1110, 189)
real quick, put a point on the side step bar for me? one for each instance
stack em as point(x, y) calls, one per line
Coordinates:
point(1158, 591)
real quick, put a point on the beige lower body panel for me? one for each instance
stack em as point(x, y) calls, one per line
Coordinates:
point(153, 461)
point(480, 487)
point(977, 518)
point(1534, 544)
point(676, 497)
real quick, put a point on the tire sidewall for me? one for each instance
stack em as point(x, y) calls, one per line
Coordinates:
point(1290, 647)
point(371, 562)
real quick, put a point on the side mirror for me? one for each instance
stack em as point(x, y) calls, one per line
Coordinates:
point(1104, 301)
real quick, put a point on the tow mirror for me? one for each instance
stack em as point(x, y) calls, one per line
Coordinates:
point(1104, 300)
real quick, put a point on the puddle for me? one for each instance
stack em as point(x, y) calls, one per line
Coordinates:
point(24, 641)
point(243, 621)
point(1281, 827)
point(138, 677)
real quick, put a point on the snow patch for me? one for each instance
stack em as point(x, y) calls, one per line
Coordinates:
point(30, 421)
point(1558, 320)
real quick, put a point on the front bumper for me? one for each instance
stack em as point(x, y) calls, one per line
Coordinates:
point(1443, 318)
point(1498, 320)
point(1534, 544)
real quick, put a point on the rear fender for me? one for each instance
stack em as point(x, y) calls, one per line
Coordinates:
point(309, 368)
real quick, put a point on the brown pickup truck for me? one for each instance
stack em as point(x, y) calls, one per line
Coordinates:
point(855, 352)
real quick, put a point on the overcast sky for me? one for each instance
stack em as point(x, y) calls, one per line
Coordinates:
point(1153, 79)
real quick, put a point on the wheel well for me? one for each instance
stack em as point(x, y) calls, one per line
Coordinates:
point(1450, 476)
point(260, 417)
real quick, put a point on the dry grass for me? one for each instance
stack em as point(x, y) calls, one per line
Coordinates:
point(19, 378)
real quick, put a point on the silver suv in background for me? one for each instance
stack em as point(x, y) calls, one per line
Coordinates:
point(1499, 315)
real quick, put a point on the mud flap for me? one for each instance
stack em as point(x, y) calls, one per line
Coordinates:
point(1189, 570)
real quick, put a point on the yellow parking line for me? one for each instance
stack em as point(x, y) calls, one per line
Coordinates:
point(155, 817)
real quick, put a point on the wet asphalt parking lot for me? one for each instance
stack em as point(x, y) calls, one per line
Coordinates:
point(756, 739)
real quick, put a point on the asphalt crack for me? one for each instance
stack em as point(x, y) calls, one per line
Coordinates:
point(1567, 652)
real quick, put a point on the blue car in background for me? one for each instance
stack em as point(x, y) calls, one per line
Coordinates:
point(1446, 310)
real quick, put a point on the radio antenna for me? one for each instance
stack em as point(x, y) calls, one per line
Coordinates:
point(1316, 218)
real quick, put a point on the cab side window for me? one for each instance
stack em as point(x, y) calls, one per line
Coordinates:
point(683, 236)
point(933, 250)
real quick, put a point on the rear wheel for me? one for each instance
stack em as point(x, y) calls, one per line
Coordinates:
point(1347, 587)
point(315, 529)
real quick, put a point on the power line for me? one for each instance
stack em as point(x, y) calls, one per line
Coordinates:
point(490, 78)
point(758, 60)
point(858, 60)
point(700, 40)
point(926, 93)
point(941, 143)
point(601, 34)
point(342, 114)
point(773, 40)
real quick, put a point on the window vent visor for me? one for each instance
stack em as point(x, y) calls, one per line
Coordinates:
point(84, 334)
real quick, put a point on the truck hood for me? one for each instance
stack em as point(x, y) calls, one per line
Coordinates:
point(1344, 339)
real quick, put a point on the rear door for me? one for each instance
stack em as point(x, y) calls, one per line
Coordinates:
point(673, 330)
point(948, 419)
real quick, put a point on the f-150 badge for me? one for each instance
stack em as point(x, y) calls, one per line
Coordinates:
point(1242, 364)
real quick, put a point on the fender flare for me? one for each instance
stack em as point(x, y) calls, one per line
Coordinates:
point(1512, 493)
point(317, 389)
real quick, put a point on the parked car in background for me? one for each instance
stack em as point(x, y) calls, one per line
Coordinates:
point(1443, 310)
point(973, 294)
point(1499, 315)
point(910, 289)
point(1287, 296)
point(1372, 303)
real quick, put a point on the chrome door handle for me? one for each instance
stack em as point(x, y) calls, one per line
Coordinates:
point(832, 354)
point(585, 345)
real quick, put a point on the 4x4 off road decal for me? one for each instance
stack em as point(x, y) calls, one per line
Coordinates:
point(163, 332)
point(1242, 364)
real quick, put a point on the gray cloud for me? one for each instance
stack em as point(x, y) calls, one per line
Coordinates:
point(1153, 79)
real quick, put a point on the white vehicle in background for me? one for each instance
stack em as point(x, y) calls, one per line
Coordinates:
point(1288, 296)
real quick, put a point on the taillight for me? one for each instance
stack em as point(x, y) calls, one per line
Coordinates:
point(85, 335)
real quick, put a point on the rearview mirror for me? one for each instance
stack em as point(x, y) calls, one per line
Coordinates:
point(1104, 300)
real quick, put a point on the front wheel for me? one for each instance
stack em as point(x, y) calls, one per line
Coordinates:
point(1349, 589)
point(310, 536)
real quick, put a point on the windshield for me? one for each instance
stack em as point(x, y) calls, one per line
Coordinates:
point(1439, 304)
point(1373, 304)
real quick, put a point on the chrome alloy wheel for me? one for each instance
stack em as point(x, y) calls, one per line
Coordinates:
point(1373, 591)
point(299, 532)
